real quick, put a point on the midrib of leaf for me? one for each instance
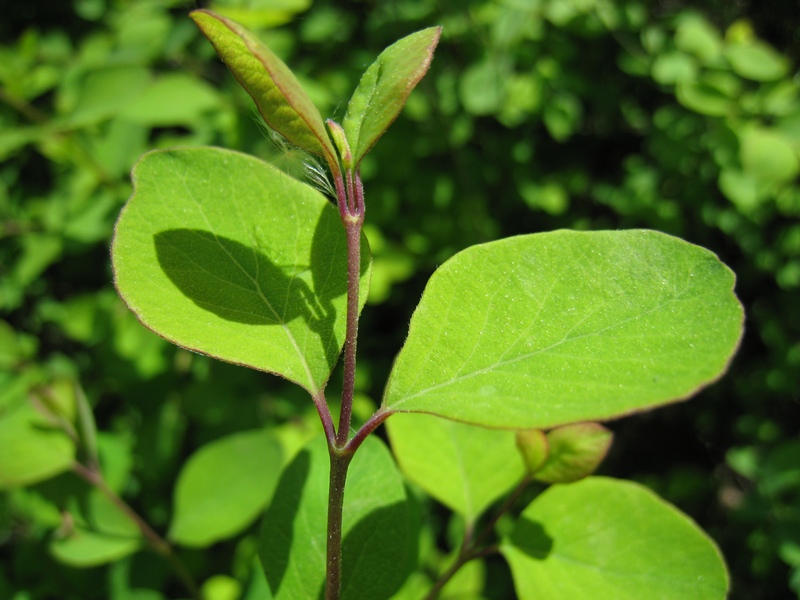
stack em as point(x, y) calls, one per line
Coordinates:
point(501, 363)
point(279, 318)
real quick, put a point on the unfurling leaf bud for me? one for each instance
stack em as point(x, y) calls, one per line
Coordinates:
point(575, 452)
point(340, 141)
point(532, 444)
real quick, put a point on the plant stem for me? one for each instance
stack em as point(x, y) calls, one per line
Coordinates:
point(352, 213)
point(471, 547)
point(156, 542)
point(351, 210)
point(333, 580)
point(378, 417)
point(325, 416)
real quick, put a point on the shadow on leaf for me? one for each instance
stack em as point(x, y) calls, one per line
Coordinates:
point(532, 539)
point(236, 282)
point(379, 551)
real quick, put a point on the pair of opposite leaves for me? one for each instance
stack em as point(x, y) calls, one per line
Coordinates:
point(284, 105)
point(533, 331)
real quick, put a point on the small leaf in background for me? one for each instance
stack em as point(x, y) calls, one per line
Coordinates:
point(482, 86)
point(278, 95)
point(532, 444)
point(575, 452)
point(696, 36)
point(97, 532)
point(378, 526)
point(767, 155)
point(174, 99)
point(221, 587)
point(261, 13)
point(107, 92)
point(548, 329)
point(385, 87)
point(463, 466)
point(33, 449)
point(224, 486)
point(223, 254)
point(605, 538)
point(756, 60)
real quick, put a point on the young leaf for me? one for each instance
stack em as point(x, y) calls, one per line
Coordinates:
point(548, 329)
point(532, 445)
point(32, 449)
point(224, 486)
point(223, 254)
point(605, 538)
point(575, 452)
point(378, 526)
point(463, 466)
point(385, 87)
point(101, 533)
point(278, 95)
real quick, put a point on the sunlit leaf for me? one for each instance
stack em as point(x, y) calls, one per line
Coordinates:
point(278, 95)
point(605, 538)
point(223, 254)
point(385, 87)
point(547, 329)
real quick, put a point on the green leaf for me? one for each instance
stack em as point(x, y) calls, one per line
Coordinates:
point(463, 466)
point(278, 95)
point(378, 528)
point(757, 60)
point(223, 254)
point(85, 548)
point(767, 155)
point(33, 449)
point(175, 99)
point(532, 445)
point(547, 329)
point(107, 92)
point(224, 486)
point(697, 36)
point(672, 67)
point(704, 98)
point(261, 13)
point(604, 538)
point(101, 533)
point(562, 115)
point(482, 86)
point(385, 87)
point(575, 452)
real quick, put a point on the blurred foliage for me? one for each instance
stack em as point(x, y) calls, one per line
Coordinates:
point(536, 115)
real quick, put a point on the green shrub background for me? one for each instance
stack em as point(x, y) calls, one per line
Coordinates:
point(536, 115)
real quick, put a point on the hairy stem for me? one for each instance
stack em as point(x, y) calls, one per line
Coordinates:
point(352, 213)
point(351, 210)
point(156, 542)
point(339, 463)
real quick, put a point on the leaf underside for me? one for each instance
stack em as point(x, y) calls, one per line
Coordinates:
point(385, 87)
point(548, 329)
point(278, 95)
